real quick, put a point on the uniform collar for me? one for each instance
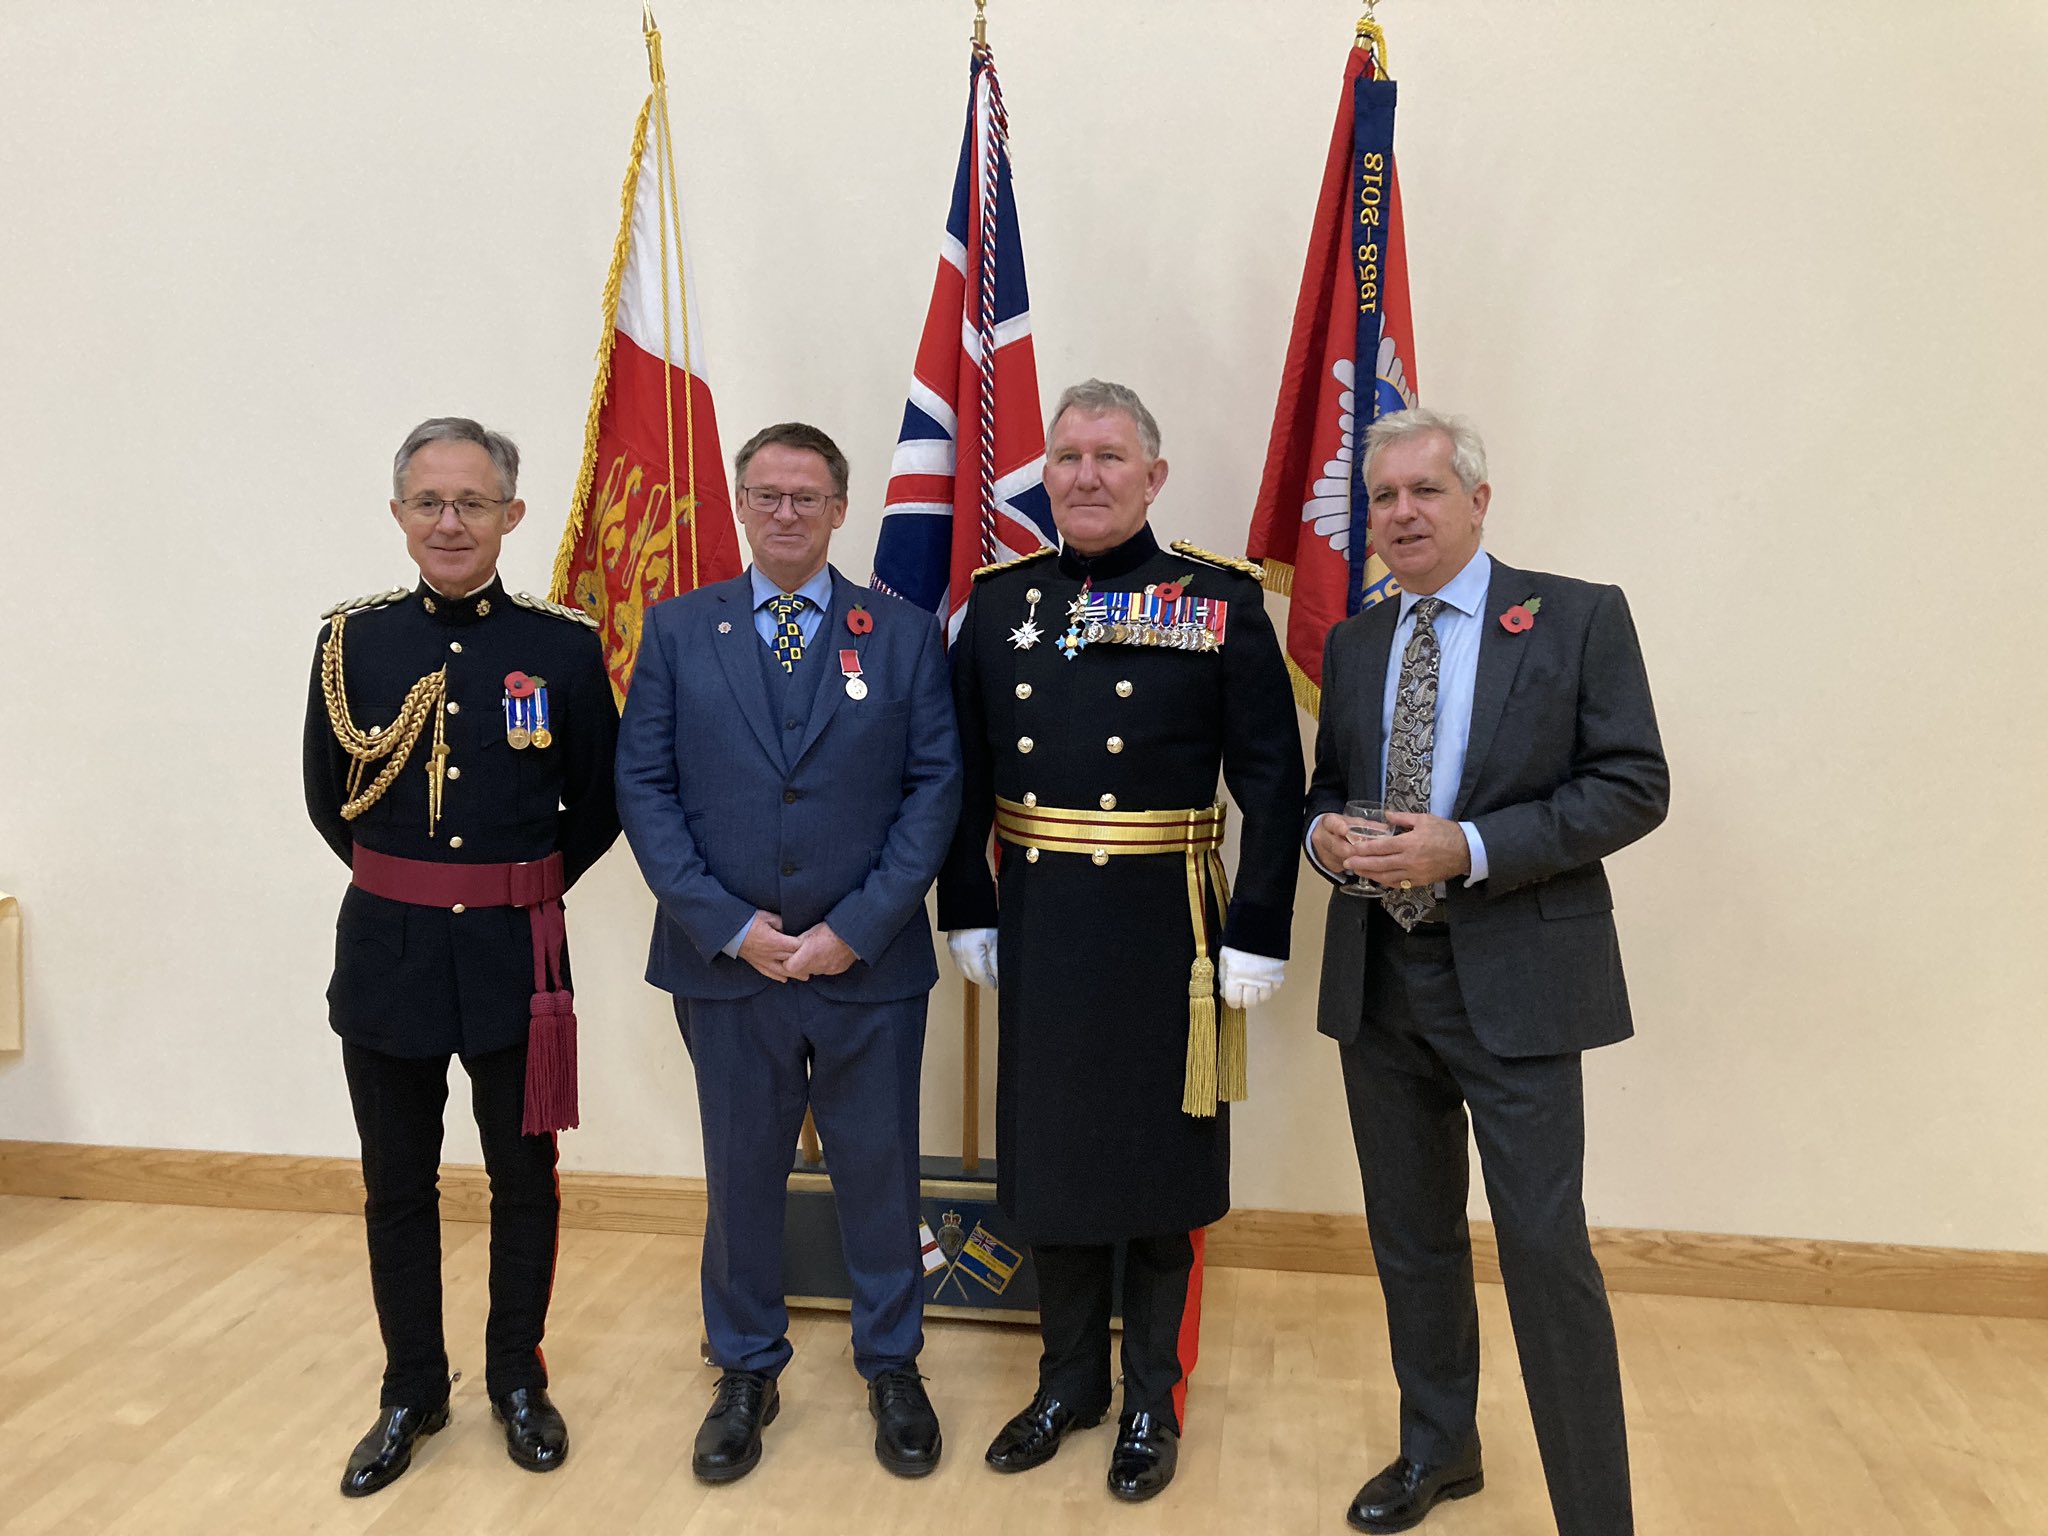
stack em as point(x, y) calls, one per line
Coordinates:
point(480, 604)
point(1111, 563)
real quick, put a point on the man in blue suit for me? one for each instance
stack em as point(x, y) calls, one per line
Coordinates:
point(789, 777)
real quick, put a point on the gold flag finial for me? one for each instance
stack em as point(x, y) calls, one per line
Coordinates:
point(652, 33)
point(981, 23)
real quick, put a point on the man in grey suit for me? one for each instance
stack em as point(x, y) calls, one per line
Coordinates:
point(789, 777)
point(1503, 717)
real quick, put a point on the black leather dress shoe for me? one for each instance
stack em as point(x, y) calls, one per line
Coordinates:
point(535, 1435)
point(1147, 1451)
point(1406, 1491)
point(386, 1451)
point(1030, 1439)
point(907, 1439)
point(729, 1441)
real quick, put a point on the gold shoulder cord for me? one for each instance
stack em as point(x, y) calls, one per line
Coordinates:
point(394, 742)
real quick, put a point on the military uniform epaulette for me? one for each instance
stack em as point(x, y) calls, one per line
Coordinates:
point(1250, 568)
point(1004, 565)
point(560, 611)
point(374, 600)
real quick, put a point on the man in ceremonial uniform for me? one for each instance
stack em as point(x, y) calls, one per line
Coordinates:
point(789, 778)
point(458, 758)
point(1099, 691)
point(1504, 719)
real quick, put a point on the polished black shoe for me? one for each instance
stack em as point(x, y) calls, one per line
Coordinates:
point(535, 1435)
point(1147, 1451)
point(386, 1451)
point(907, 1439)
point(1030, 1439)
point(729, 1441)
point(1406, 1491)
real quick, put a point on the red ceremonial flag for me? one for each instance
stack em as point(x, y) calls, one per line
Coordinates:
point(652, 516)
point(1351, 326)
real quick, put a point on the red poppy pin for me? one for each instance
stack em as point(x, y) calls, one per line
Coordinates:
point(518, 686)
point(1522, 616)
point(859, 621)
point(1168, 591)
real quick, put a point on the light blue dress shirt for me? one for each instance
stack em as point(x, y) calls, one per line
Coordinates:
point(818, 590)
point(1458, 627)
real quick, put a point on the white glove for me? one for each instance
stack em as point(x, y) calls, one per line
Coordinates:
point(1245, 980)
point(974, 953)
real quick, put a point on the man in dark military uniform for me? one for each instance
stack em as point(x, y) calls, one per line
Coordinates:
point(459, 744)
point(1099, 692)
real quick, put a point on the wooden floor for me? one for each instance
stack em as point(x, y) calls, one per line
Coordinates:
point(169, 1369)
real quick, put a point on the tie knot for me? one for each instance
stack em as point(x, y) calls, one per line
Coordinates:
point(787, 605)
point(1426, 610)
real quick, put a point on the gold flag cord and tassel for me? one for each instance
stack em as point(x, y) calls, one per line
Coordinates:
point(392, 745)
point(1217, 1047)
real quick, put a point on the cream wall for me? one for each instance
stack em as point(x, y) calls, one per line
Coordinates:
point(1747, 298)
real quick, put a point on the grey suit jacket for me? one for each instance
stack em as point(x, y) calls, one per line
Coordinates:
point(1564, 767)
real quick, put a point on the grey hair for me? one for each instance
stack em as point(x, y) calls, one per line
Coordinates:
point(1095, 395)
point(1468, 453)
point(459, 429)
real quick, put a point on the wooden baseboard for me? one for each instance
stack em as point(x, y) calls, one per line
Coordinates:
point(1803, 1270)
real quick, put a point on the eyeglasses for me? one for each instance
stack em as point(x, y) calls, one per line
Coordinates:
point(471, 509)
point(766, 503)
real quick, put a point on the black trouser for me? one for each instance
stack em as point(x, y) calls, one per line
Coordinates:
point(1074, 1306)
point(1414, 1070)
point(398, 1103)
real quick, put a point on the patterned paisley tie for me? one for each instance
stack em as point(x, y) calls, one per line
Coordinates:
point(788, 643)
point(1410, 746)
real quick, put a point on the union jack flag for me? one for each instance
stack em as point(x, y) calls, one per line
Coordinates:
point(966, 486)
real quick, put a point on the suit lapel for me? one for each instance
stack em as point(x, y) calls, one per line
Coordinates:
point(825, 702)
point(1377, 639)
point(1500, 657)
point(735, 649)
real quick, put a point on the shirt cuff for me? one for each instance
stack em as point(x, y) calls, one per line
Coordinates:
point(732, 947)
point(1477, 845)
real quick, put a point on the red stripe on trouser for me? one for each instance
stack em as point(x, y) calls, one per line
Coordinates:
point(1190, 1347)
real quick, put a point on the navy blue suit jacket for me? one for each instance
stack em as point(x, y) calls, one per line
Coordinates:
point(850, 828)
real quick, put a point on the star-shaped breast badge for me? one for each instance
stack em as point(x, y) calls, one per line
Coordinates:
point(1026, 635)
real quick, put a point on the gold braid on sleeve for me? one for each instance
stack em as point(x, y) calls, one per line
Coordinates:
point(390, 744)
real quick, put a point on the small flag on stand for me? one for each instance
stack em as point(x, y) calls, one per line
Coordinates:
point(652, 516)
point(966, 483)
point(1350, 360)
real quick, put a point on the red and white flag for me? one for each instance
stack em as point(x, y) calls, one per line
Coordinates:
point(652, 516)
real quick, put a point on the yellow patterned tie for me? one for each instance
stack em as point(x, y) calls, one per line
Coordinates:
point(788, 643)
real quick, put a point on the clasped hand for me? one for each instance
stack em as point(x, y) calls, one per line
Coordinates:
point(1426, 851)
point(779, 956)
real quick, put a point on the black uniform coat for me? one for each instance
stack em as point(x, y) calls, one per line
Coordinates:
point(419, 981)
point(1564, 766)
point(1091, 1143)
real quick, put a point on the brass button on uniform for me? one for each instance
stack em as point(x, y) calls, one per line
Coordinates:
point(1023, 690)
point(455, 842)
point(455, 646)
point(1107, 802)
point(1099, 857)
point(1029, 798)
point(458, 907)
point(1123, 688)
point(454, 772)
point(454, 708)
point(1024, 743)
point(1116, 743)
point(1030, 855)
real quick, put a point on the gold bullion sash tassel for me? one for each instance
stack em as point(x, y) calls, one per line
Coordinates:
point(391, 745)
point(1217, 1050)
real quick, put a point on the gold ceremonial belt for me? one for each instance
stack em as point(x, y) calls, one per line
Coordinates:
point(1216, 1055)
point(1104, 835)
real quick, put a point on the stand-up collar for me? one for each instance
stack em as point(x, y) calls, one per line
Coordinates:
point(1111, 564)
point(480, 604)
